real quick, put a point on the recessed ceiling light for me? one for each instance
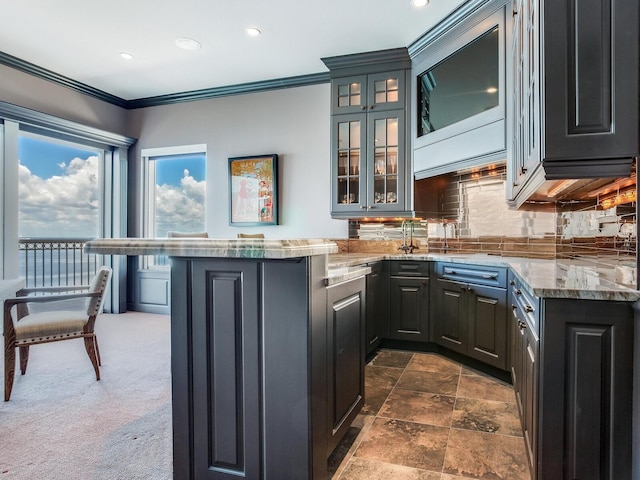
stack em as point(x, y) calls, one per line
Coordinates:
point(253, 32)
point(126, 56)
point(187, 43)
point(420, 3)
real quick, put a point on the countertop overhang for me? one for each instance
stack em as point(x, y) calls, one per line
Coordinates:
point(209, 247)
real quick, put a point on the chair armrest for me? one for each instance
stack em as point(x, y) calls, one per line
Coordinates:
point(10, 302)
point(67, 288)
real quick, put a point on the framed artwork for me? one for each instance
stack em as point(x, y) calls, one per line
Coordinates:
point(253, 190)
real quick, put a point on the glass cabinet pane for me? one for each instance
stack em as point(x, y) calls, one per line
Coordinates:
point(349, 94)
point(385, 161)
point(349, 158)
point(386, 90)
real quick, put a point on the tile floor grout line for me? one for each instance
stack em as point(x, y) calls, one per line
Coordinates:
point(446, 448)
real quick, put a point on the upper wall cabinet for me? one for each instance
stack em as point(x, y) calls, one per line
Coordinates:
point(574, 110)
point(459, 88)
point(370, 167)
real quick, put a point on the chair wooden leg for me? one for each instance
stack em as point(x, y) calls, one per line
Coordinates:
point(95, 344)
point(9, 368)
point(89, 346)
point(24, 359)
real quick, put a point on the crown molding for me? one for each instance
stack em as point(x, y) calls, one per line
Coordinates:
point(36, 71)
point(368, 62)
point(215, 92)
point(252, 87)
point(464, 12)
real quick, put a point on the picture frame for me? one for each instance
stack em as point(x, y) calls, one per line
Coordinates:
point(253, 190)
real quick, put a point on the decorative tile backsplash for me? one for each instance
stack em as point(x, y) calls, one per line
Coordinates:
point(474, 217)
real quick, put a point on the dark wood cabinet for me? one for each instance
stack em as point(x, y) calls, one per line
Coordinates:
point(376, 304)
point(572, 368)
point(469, 312)
point(575, 91)
point(409, 300)
point(345, 356)
point(586, 371)
point(524, 365)
point(249, 361)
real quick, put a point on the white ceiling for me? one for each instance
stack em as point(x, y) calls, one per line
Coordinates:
point(83, 39)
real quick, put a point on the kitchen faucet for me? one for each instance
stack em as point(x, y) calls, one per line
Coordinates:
point(410, 247)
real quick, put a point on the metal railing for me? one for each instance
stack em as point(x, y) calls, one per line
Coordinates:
point(46, 262)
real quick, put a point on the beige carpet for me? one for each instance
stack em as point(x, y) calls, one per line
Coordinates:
point(62, 424)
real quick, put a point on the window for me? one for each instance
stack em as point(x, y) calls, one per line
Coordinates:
point(58, 210)
point(174, 192)
point(58, 187)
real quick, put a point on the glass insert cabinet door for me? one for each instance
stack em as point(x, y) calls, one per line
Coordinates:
point(386, 161)
point(364, 93)
point(368, 162)
point(350, 143)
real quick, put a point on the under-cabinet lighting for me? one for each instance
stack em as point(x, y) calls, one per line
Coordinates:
point(614, 186)
point(621, 198)
point(560, 187)
point(420, 3)
point(492, 90)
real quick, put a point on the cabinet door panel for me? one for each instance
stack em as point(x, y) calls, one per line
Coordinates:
point(349, 144)
point(226, 386)
point(592, 77)
point(345, 355)
point(385, 161)
point(488, 325)
point(530, 396)
point(374, 328)
point(349, 94)
point(451, 316)
point(409, 308)
point(386, 90)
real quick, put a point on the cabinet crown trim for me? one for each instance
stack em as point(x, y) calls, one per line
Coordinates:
point(376, 61)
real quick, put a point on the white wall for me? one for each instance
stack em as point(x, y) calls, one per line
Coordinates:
point(293, 123)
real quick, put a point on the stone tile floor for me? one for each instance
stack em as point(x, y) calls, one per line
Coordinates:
point(429, 418)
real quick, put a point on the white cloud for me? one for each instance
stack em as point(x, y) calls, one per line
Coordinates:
point(180, 208)
point(64, 205)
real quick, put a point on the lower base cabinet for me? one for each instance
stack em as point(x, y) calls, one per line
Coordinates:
point(376, 304)
point(346, 309)
point(469, 312)
point(585, 390)
point(573, 385)
point(409, 300)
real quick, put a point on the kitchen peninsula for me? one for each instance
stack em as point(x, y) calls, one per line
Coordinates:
point(250, 354)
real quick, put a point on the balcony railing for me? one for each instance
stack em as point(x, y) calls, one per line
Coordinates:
point(46, 262)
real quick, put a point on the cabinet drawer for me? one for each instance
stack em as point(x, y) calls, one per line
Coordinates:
point(480, 275)
point(409, 268)
point(528, 305)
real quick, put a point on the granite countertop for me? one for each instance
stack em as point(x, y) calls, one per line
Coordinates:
point(209, 247)
point(544, 278)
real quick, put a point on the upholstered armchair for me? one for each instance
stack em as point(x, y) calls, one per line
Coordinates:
point(52, 314)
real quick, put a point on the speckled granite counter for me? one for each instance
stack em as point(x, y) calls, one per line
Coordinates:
point(545, 278)
point(214, 248)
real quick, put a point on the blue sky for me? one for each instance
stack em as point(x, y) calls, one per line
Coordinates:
point(44, 158)
point(170, 171)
